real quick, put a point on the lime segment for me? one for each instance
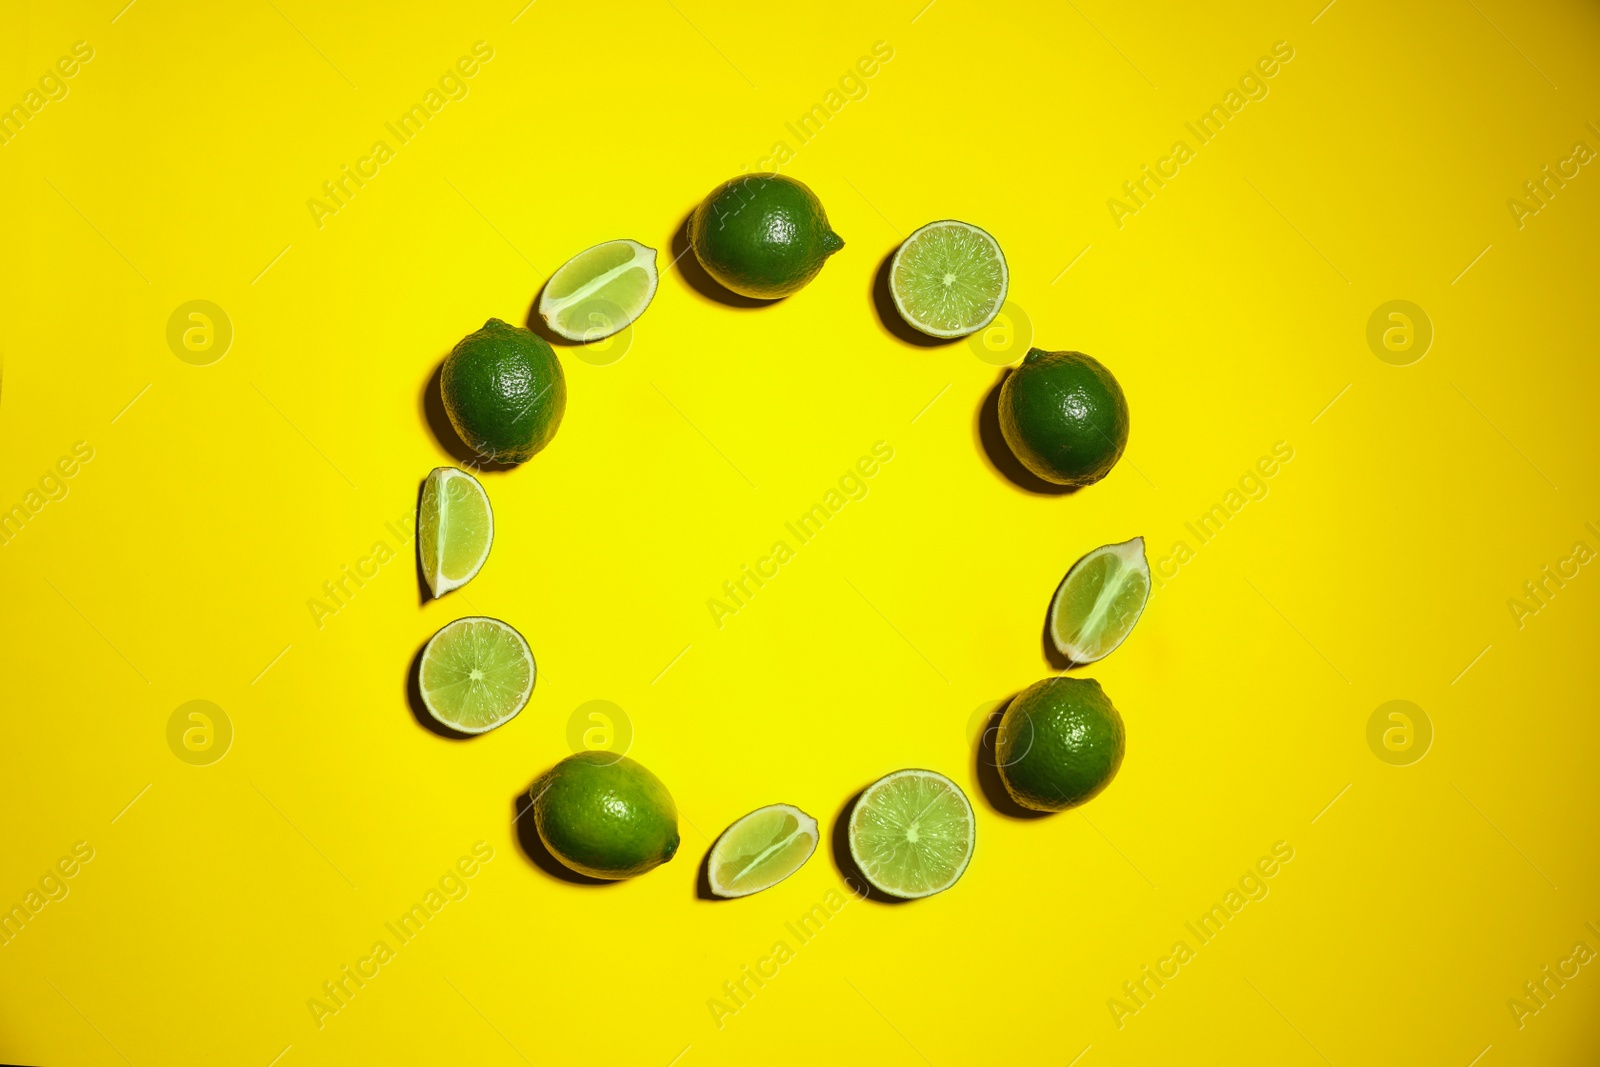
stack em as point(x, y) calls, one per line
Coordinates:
point(477, 673)
point(761, 850)
point(1099, 601)
point(455, 527)
point(600, 290)
point(912, 833)
point(949, 279)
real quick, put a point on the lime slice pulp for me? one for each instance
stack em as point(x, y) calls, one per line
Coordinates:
point(912, 833)
point(761, 850)
point(477, 673)
point(600, 291)
point(949, 279)
point(455, 527)
point(1099, 601)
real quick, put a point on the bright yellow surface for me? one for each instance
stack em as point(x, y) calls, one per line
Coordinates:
point(1233, 307)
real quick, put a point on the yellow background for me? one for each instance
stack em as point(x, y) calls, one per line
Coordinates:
point(1233, 309)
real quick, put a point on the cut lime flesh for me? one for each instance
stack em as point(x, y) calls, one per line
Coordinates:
point(949, 279)
point(477, 673)
point(455, 528)
point(1099, 601)
point(761, 850)
point(600, 291)
point(912, 833)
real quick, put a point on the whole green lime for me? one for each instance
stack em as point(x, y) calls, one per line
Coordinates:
point(605, 816)
point(762, 235)
point(504, 391)
point(1064, 416)
point(1059, 743)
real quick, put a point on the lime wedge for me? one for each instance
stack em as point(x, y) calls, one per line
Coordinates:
point(600, 290)
point(761, 850)
point(949, 279)
point(1099, 600)
point(455, 528)
point(477, 673)
point(912, 833)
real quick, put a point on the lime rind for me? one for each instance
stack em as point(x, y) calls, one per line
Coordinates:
point(1100, 601)
point(912, 833)
point(600, 291)
point(949, 279)
point(477, 673)
point(760, 850)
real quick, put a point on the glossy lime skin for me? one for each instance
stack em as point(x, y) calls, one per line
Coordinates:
point(762, 235)
point(1059, 743)
point(1064, 416)
point(504, 391)
point(605, 816)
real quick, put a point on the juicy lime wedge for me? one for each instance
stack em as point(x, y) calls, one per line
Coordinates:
point(912, 833)
point(761, 850)
point(477, 673)
point(949, 279)
point(1099, 600)
point(600, 290)
point(455, 528)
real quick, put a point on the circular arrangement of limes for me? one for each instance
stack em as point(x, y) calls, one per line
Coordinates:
point(911, 833)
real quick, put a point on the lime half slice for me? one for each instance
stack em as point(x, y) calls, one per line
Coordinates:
point(600, 290)
point(477, 673)
point(455, 527)
point(912, 833)
point(1099, 600)
point(949, 279)
point(761, 850)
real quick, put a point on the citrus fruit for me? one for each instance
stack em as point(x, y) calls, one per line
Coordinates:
point(912, 833)
point(455, 527)
point(1099, 600)
point(599, 291)
point(948, 279)
point(762, 235)
point(504, 391)
point(605, 816)
point(1059, 743)
point(761, 850)
point(476, 673)
point(1064, 416)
